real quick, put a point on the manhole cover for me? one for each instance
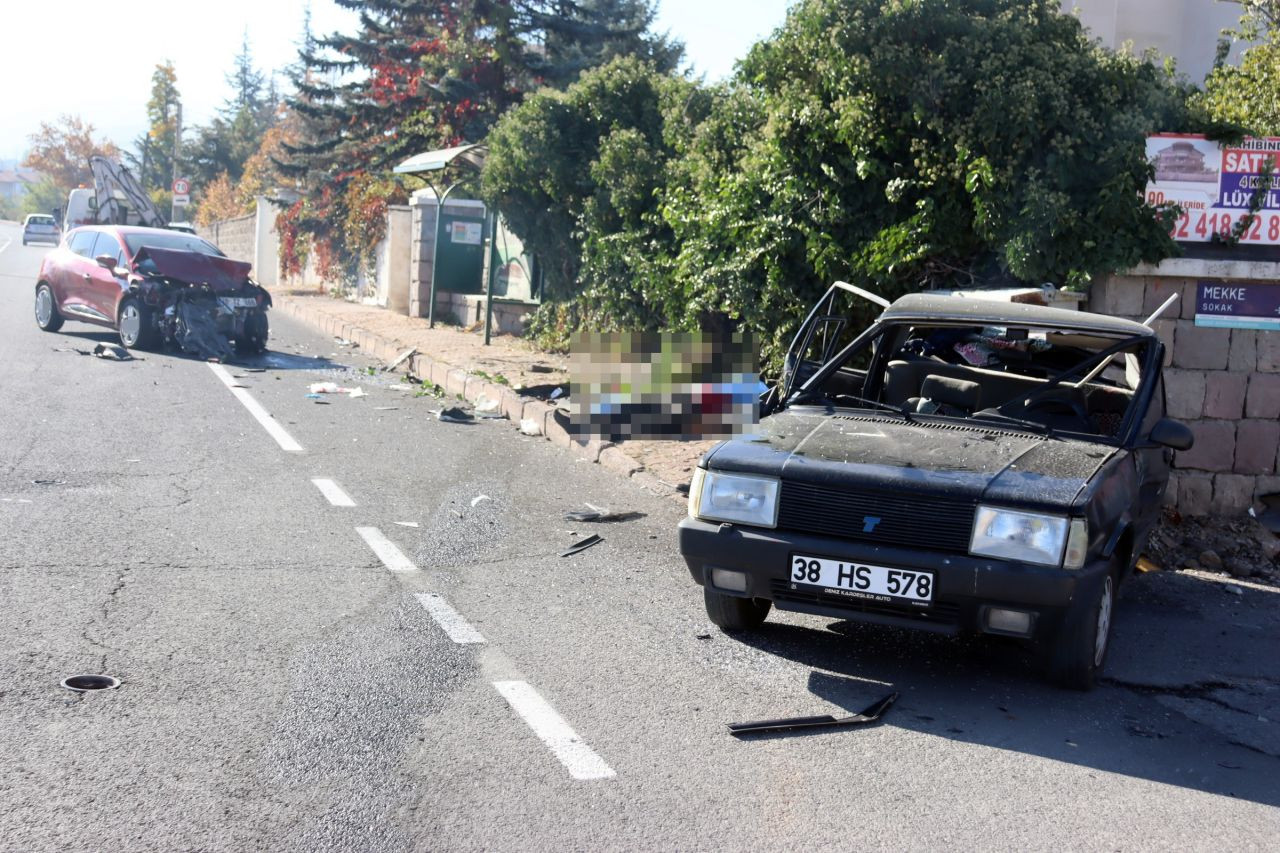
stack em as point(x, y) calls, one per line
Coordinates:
point(87, 683)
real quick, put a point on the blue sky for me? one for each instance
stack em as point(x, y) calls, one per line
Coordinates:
point(105, 77)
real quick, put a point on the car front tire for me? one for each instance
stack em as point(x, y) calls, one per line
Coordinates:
point(254, 336)
point(731, 613)
point(47, 315)
point(137, 331)
point(1077, 656)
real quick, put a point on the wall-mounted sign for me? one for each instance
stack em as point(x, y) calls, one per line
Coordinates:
point(1236, 305)
point(1213, 184)
point(470, 233)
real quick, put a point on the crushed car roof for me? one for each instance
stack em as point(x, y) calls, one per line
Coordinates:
point(928, 307)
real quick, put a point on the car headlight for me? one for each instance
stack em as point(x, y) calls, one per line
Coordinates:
point(744, 498)
point(1029, 537)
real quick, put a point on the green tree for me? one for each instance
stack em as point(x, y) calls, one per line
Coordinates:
point(903, 145)
point(1248, 94)
point(580, 175)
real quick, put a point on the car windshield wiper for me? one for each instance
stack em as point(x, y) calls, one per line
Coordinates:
point(997, 415)
point(876, 404)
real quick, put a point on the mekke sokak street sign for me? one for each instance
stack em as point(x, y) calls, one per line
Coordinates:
point(1234, 305)
point(1213, 184)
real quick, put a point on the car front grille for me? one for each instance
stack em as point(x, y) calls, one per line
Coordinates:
point(938, 613)
point(928, 523)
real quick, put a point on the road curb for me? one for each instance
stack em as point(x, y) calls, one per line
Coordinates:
point(456, 380)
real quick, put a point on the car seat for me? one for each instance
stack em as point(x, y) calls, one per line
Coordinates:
point(943, 395)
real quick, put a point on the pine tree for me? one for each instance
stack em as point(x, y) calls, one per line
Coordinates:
point(425, 73)
point(154, 159)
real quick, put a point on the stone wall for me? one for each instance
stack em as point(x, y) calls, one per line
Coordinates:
point(237, 238)
point(1223, 383)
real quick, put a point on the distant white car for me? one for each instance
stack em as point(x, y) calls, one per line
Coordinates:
point(41, 228)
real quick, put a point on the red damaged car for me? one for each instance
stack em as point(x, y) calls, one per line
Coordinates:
point(155, 287)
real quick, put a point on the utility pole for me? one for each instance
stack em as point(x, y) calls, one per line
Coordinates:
point(177, 157)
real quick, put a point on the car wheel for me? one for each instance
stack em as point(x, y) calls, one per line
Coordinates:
point(732, 613)
point(1080, 650)
point(47, 316)
point(254, 337)
point(137, 331)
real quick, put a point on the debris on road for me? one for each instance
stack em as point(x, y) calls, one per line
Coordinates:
point(528, 426)
point(408, 524)
point(479, 498)
point(598, 514)
point(454, 415)
point(1146, 564)
point(386, 408)
point(401, 358)
point(48, 482)
point(1240, 547)
point(334, 388)
point(583, 545)
point(112, 352)
point(343, 342)
point(556, 394)
point(872, 713)
point(486, 404)
point(400, 386)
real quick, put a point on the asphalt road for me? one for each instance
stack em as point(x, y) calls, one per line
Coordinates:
point(284, 689)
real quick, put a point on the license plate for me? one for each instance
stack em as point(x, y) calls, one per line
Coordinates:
point(231, 303)
point(859, 580)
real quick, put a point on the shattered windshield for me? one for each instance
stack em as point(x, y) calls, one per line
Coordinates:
point(1049, 380)
point(175, 240)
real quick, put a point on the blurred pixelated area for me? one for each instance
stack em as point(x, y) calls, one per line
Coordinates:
point(679, 386)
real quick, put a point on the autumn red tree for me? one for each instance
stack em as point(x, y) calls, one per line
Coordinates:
point(61, 151)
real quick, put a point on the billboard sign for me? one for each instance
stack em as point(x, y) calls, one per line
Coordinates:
point(1214, 184)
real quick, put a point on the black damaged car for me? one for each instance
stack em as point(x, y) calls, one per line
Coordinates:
point(962, 465)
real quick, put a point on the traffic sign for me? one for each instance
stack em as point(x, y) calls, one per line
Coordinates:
point(181, 186)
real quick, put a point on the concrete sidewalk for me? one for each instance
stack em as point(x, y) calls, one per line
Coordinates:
point(510, 369)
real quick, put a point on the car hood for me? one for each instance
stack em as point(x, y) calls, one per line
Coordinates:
point(885, 453)
point(223, 275)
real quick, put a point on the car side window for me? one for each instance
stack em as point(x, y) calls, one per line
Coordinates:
point(107, 244)
point(82, 243)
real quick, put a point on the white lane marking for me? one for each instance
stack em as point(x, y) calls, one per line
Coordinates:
point(458, 629)
point(391, 556)
point(552, 730)
point(260, 414)
point(8, 241)
point(333, 492)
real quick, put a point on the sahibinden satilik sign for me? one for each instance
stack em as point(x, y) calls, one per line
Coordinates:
point(1214, 185)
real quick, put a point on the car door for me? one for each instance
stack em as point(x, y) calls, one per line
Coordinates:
point(836, 319)
point(103, 289)
point(1153, 463)
point(70, 276)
